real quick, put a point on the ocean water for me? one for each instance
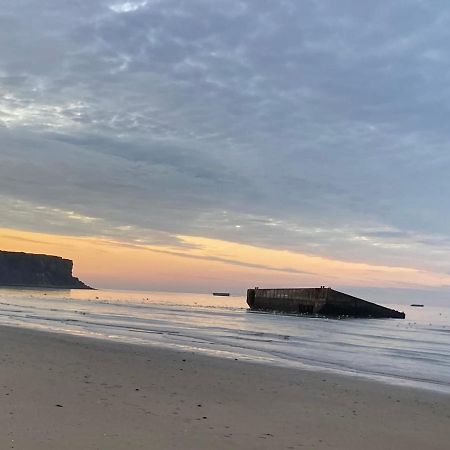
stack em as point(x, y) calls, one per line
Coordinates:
point(412, 352)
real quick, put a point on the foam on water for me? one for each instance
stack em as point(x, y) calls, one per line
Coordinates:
point(414, 352)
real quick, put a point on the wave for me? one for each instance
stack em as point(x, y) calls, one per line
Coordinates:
point(411, 352)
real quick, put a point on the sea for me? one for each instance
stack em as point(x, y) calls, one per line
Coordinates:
point(414, 352)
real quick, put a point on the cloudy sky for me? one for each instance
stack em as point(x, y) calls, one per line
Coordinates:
point(302, 141)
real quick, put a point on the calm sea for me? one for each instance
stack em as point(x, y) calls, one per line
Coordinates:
point(412, 352)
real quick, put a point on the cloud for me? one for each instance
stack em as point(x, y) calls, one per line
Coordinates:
point(128, 6)
point(317, 126)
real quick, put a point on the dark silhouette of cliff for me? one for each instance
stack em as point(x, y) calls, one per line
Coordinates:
point(44, 271)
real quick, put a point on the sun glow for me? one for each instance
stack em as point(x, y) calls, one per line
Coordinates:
point(203, 264)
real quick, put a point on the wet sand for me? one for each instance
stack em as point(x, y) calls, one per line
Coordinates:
point(67, 392)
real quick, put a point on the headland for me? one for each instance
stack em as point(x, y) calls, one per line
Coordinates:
point(19, 269)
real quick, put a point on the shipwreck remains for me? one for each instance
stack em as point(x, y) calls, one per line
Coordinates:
point(322, 301)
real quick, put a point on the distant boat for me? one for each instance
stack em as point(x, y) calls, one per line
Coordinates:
point(221, 294)
point(417, 305)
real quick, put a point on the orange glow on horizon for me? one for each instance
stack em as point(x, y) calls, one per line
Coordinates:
point(207, 264)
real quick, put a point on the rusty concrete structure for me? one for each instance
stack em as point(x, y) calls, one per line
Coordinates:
point(322, 301)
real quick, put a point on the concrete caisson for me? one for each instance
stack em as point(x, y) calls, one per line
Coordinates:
point(317, 301)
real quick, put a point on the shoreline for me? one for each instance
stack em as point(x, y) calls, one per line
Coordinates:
point(65, 391)
point(302, 366)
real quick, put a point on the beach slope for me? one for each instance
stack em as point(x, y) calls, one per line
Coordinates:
point(66, 392)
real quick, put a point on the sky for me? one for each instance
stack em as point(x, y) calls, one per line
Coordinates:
point(193, 145)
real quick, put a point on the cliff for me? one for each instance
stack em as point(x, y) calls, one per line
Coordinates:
point(29, 270)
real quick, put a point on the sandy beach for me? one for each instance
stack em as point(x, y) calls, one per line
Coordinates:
point(67, 392)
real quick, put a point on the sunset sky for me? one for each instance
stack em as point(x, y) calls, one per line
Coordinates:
point(201, 145)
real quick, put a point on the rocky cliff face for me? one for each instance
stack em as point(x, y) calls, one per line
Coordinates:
point(29, 270)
